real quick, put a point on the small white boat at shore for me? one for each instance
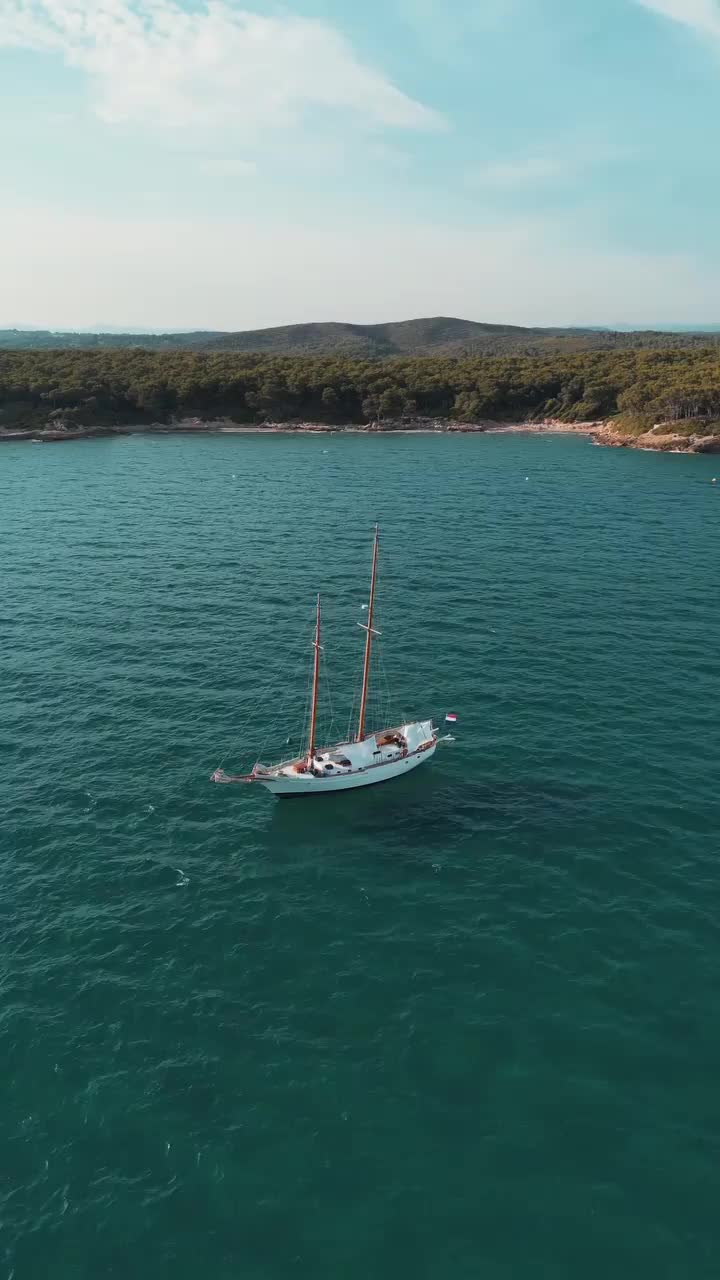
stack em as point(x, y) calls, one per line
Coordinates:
point(367, 759)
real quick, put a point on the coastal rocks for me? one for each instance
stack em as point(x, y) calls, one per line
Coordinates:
point(413, 424)
point(666, 437)
point(707, 444)
point(664, 442)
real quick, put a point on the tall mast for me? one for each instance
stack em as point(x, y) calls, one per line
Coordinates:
point(368, 640)
point(316, 680)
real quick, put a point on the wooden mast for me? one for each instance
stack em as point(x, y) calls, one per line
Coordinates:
point(368, 640)
point(316, 680)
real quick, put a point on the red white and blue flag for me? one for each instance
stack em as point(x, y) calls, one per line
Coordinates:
point(451, 718)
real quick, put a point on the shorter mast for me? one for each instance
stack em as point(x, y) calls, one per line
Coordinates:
point(368, 640)
point(316, 681)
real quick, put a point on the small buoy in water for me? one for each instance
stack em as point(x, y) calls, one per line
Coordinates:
point(714, 480)
point(527, 477)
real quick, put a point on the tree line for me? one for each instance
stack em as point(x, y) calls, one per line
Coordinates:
point(78, 388)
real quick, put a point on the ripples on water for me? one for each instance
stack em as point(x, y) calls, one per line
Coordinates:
point(462, 1025)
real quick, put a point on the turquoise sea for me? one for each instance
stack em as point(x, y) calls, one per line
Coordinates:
point(464, 1025)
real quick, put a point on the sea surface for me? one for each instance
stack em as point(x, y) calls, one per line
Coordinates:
point(463, 1025)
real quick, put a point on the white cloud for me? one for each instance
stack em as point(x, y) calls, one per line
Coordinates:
point(568, 158)
point(702, 16)
point(65, 270)
point(517, 173)
point(156, 64)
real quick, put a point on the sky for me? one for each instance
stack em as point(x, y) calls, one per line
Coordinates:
point(206, 164)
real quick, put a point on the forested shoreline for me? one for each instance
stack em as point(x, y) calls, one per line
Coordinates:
point(71, 390)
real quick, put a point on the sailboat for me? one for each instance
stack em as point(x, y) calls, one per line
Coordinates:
point(366, 760)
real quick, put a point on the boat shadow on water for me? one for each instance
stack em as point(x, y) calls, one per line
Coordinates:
point(427, 812)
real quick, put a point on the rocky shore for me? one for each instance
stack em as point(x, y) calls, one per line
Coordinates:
point(664, 437)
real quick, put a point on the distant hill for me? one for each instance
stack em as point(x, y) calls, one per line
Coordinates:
point(57, 340)
point(437, 336)
point(440, 335)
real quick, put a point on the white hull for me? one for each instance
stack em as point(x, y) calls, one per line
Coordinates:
point(306, 784)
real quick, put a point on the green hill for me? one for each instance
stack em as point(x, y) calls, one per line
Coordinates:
point(439, 335)
point(436, 336)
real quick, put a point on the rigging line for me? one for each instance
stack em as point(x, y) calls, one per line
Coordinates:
point(351, 713)
point(306, 709)
point(386, 585)
point(250, 715)
point(265, 697)
point(358, 693)
point(283, 709)
point(307, 715)
point(389, 703)
point(354, 706)
point(271, 724)
point(376, 707)
point(327, 691)
point(305, 697)
point(272, 682)
point(357, 698)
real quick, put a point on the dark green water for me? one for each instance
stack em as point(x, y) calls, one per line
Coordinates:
point(462, 1025)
